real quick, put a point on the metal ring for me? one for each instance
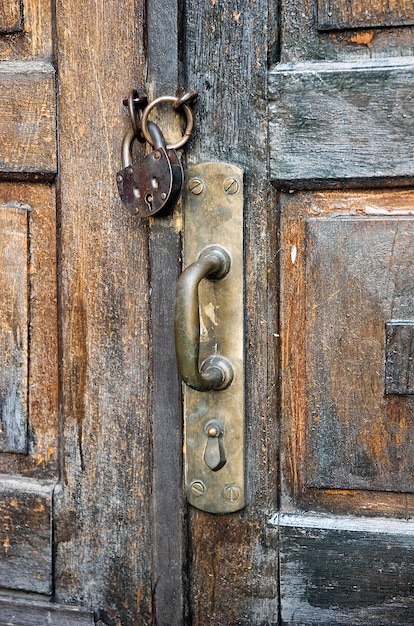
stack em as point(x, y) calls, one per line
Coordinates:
point(188, 113)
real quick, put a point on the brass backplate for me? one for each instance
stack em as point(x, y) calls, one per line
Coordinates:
point(213, 215)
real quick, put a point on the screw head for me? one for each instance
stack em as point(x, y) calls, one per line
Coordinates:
point(197, 488)
point(196, 186)
point(232, 493)
point(231, 186)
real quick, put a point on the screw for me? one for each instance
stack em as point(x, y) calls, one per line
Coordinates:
point(119, 178)
point(197, 488)
point(232, 493)
point(212, 431)
point(157, 155)
point(231, 186)
point(196, 186)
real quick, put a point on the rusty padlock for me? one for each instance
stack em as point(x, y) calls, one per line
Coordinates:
point(155, 185)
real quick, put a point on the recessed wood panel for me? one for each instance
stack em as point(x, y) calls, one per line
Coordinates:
point(340, 14)
point(11, 16)
point(27, 121)
point(26, 535)
point(14, 327)
point(344, 122)
point(358, 276)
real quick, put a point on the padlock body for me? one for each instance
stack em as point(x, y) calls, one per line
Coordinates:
point(153, 186)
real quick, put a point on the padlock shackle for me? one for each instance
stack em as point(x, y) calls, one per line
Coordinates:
point(158, 142)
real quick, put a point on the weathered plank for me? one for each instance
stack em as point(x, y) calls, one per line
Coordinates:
point(355, 571)
point(16, 612)
point(169, 542)
point(233, 567)
point(27, 121)
point(14, 327)
point(345, 123)
point(11, 16)
point(103, 513)
point(26, 535)
point(338, 14)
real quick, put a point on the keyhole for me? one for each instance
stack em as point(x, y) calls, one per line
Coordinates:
point(149, 199)
point(214, 456)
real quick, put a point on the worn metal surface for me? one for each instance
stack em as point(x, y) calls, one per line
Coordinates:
point(215, 372)
point(214, 217)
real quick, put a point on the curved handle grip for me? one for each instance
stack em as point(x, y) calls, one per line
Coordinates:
point(216, 372)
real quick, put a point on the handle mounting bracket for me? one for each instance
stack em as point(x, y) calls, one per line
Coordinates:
point(213, 221)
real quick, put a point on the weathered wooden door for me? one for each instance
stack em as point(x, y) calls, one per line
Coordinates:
point(313, 100)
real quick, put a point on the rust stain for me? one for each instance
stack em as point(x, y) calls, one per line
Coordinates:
point(363, 39)
point(235, 15)
point(14, 503)
point(6, 545)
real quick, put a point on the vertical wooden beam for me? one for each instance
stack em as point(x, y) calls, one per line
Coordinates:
point(234, 557)
point(165, 250)
point(103, 512)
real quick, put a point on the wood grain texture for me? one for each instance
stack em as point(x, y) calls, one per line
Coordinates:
point(233, 567)
point(16, 612)
point(11, 16)
point(345, 576)
point(399, 344)
point(301, 375)
point(357, 437)
point(103, 512)
point(14, 327)
point(337, 14)
point(341, 123)
point(28, 121)
point(34, 41)
point(302, 40)
point(26, 535)
point(169, 523)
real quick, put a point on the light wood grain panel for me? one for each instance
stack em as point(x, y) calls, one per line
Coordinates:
point(27, 121)
point(26, 535)
point(11, 16)
point(34, 39)
point(337, 14)
point(42, 432)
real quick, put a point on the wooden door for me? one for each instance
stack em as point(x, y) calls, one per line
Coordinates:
point(312, 99)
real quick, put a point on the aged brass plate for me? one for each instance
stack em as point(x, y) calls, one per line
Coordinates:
point(213, 216)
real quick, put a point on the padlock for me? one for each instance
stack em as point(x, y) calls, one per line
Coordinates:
point(155, 185)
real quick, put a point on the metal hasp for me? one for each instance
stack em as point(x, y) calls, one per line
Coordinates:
point(209, 337)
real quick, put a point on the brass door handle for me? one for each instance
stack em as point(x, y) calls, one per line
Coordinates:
point(216, 372)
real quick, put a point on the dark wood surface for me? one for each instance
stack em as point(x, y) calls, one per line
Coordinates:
point(399, 375)
point(28, 120)
point(345, 123)
point(233, 559)
point(352, 572)
point(169, 507)
point(337, 14)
